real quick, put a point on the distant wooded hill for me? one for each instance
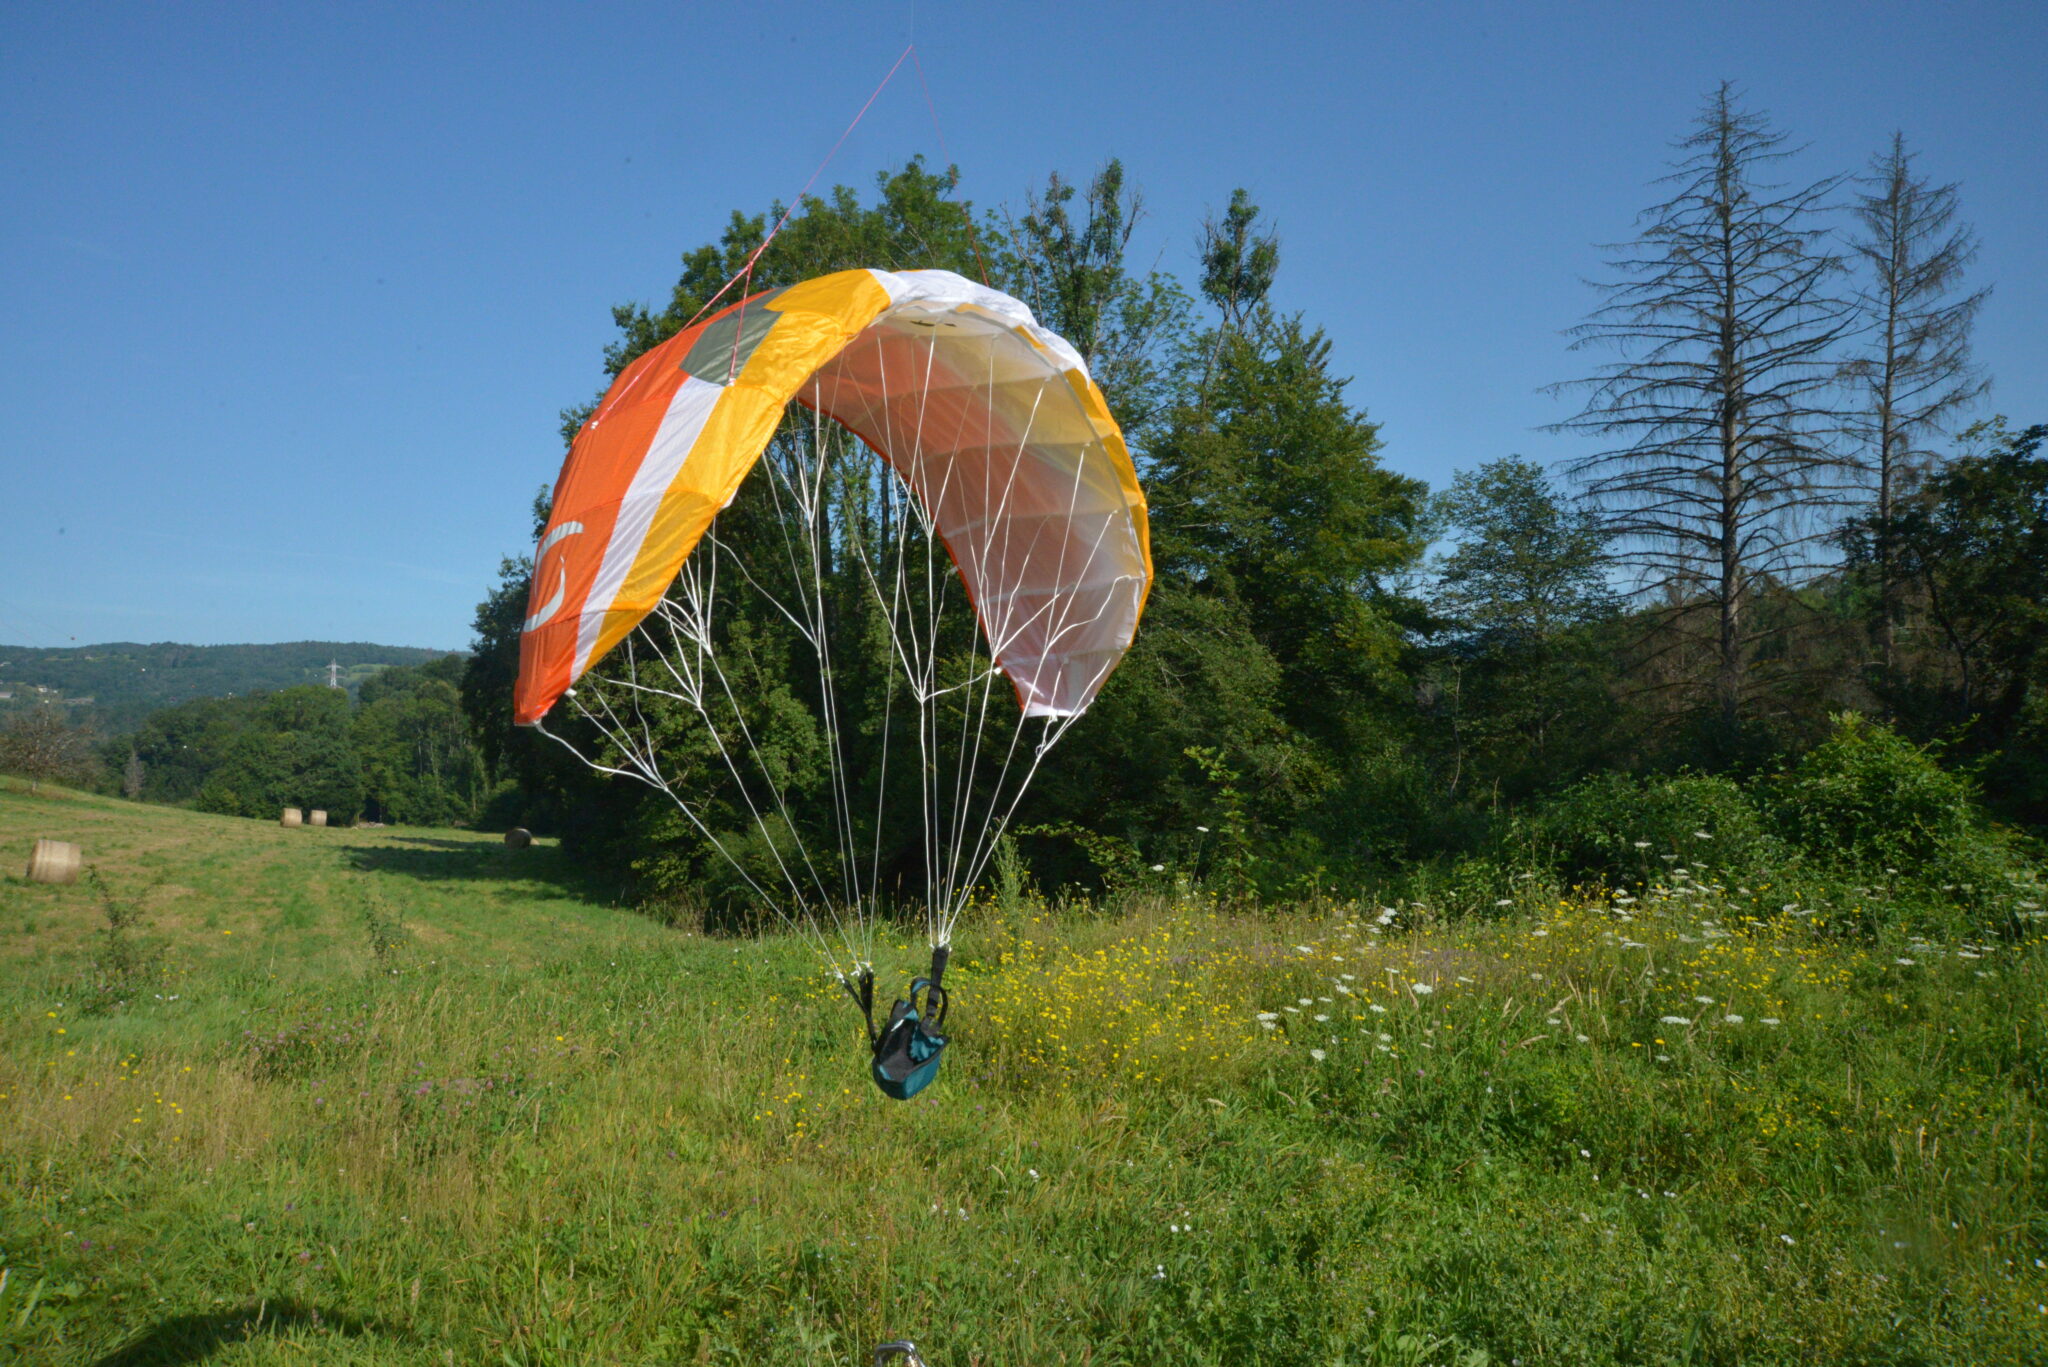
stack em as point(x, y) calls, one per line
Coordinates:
point(116, 685)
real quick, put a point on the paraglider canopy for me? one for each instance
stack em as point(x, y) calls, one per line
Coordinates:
point(990, 421)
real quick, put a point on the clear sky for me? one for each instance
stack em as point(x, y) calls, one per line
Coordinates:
point(291, 295)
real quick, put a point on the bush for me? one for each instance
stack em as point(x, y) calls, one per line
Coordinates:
point(507, 805)
point(1618, 828)
point(124, 965)
point(1868, 800)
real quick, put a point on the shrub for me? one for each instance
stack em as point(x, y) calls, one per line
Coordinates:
point(1872, 799)
point(1868, 800)
point(1618, 829)
point(507, 805)
point(124, 964)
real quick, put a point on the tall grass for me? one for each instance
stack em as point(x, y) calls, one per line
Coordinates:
point(408, 1097)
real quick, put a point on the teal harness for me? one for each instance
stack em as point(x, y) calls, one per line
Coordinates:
point(907, 1048)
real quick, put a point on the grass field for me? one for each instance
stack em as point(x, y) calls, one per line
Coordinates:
point(405, 1096)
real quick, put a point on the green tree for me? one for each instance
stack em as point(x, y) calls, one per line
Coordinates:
point(293, 748)
point(1066, 260)
point(1272, 495)
point(1519, 679)
point(1972, 543)
point(1275, 640)
point(1526, 564)
point(181, 745)
point(421, 765)
point(539, 784)
point(1239, 261)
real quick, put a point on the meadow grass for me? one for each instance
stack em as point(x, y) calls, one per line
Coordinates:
point(405, 1096)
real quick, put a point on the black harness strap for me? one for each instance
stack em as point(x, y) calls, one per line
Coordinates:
point(862, 990)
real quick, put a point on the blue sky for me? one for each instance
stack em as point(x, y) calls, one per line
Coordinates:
point(290, 295)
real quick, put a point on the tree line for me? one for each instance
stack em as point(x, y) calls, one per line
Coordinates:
point(1791, 509)
point(399, 750)
point(1779, 523)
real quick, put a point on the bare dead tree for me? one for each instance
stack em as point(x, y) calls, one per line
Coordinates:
point(1914, 374)
point(1725, 407)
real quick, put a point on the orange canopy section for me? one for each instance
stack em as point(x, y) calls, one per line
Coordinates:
point(991, 421)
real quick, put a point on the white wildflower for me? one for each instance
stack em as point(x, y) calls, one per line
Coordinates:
point(1317, 1054)
point(1421, 989)
point(1674, 1020)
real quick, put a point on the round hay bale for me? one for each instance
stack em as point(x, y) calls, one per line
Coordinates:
point(518, 838)
point(54, 861)
point(291, 817)
point(316, 817)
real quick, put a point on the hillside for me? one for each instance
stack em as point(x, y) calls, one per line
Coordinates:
point(117, 684)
